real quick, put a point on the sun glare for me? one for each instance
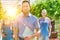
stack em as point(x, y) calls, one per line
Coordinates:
point(11, 12)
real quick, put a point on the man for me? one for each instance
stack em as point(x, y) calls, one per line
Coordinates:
point(25, 23)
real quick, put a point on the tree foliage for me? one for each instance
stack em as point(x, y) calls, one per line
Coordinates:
point(52, 7)
point(1, 12)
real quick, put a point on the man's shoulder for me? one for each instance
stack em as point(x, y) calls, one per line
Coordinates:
point(33, 17)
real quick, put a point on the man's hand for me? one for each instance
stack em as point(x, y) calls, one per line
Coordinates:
point(27, 38)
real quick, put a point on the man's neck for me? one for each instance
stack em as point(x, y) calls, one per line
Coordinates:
point(26, 14)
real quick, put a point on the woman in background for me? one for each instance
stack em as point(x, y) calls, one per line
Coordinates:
point(45, 25)
point(7, 30)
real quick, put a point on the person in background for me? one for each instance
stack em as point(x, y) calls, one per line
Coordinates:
point(25, 23)
point(0, 30)
point(7, 30)
point(45, 26)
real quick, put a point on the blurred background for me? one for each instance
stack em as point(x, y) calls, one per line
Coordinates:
point(11, 8)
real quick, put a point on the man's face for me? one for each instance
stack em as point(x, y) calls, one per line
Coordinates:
point(25, 7)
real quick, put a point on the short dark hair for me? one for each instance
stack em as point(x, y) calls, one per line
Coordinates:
point(27, 2)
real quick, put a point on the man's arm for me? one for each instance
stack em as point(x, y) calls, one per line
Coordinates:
point(36, 29)
point(36, 34)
